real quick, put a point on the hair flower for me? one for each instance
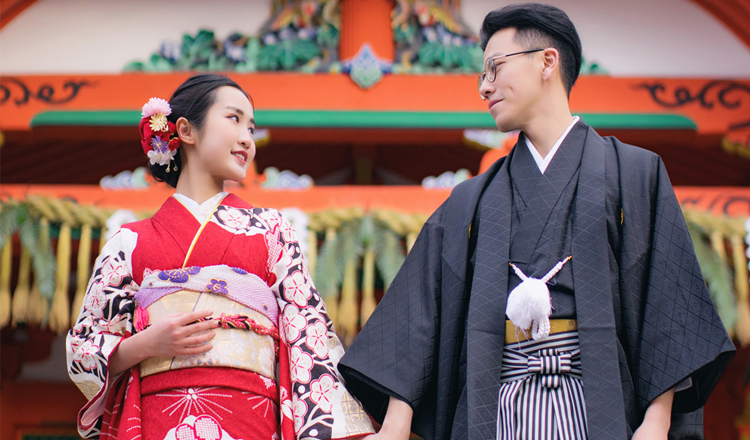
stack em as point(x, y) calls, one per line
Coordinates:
point(159, 137)
point(156, 106)
point(158, 122)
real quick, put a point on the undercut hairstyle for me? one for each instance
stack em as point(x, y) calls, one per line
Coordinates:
point(191, 101)
point(539, 26)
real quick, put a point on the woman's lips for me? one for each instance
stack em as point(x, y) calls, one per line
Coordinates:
point(241, 156)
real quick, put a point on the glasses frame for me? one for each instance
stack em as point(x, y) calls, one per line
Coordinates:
point(490, 67)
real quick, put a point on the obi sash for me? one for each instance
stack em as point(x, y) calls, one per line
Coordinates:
point(228, 292)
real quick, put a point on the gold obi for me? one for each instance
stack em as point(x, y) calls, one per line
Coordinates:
point(235, 348)
point(556, 326)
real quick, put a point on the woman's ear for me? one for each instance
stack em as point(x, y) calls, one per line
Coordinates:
point(186, 131)
point(551, 62)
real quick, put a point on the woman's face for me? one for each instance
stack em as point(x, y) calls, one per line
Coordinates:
point(225, 145)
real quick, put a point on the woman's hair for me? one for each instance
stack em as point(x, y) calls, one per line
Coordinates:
point(540, 26)
point(191, 101)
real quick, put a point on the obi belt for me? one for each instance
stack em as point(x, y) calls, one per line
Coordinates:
point(244, 305)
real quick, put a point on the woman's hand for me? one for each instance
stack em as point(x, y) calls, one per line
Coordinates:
point(176, 335)
point(172, 335)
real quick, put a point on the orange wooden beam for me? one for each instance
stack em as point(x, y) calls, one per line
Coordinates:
point(719, 201)
point(713, 105)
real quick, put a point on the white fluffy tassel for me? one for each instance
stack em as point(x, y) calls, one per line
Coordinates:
point(529, 305)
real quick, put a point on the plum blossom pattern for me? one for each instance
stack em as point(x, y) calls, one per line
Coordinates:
point(86, 355)
point(312, 342)
point(296, 290)
point(95, 300)
point(289, 233)
point(217, 286)
point(317, 338)
point(113, 272)
point(179, 276)
point(300, 411)
point(302, 364)
point(234, 218)
point(322, 392)
point(295, 323)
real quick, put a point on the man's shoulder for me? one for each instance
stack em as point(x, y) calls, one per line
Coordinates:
point(627, 153)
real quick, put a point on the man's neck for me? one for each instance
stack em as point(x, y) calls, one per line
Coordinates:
point(547, 127)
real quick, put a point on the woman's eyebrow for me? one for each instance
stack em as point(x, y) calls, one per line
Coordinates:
point(231, 107)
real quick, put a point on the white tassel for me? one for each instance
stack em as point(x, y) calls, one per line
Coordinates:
point(529, 304)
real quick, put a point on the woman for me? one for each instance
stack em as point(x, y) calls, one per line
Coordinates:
point(203, 322)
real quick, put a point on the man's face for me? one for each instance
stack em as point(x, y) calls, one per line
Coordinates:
point(517, 87)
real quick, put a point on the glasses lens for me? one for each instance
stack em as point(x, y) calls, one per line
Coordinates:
point(480, 80)
point(489, 69)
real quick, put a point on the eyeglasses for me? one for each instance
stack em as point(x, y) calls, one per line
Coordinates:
point(490, 67)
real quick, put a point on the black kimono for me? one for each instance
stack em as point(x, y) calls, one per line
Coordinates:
point(645, 318)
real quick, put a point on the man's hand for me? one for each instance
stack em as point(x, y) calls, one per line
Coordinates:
point(657, 420)
point(397, 423)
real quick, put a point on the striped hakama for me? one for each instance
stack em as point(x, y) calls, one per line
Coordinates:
point(541, 392)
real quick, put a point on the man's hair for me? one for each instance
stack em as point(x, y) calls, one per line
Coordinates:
point(540, 26)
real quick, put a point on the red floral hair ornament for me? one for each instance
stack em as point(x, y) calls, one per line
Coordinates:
point(159, 137)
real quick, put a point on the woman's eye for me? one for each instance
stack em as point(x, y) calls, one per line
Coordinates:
point(251, 130)
point(235, 118)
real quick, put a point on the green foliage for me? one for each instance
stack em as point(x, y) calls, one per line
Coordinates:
point(334, 254)
point(352, 239)
point(717, 274)
point(287, 54)
point(16, 217)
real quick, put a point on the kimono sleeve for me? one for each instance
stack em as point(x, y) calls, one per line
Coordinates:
point(321, 405)
point(682, 336)
point(396, 353)
point(105, 319)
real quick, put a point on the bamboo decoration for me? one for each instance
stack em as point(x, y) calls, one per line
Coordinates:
point(38, 305)
point(330, 294)
point(312, 251)
point(20, 303)
point(742, 288)
point(102, 240)
point(83, 272)
point(368, 284)
point(410, 240)
point(59, 318)
point(347, 313)
point(5, 270)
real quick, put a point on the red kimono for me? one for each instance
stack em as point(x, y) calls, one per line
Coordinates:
point(277, 373)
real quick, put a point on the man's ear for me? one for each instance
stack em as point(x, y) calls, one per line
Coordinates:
point(186, 131)
point(551, 63)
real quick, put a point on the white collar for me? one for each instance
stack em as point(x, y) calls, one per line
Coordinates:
point(543, 162)
point(204, 210)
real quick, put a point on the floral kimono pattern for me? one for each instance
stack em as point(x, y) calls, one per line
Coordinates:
point(311, 396)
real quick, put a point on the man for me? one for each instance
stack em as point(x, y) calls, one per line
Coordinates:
point(633, 345)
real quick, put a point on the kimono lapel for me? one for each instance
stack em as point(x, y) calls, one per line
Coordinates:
point(524, 174)
point(594, 307)
point(486, 317)
point(545, 196)
point(212, 244)
point(178, 222)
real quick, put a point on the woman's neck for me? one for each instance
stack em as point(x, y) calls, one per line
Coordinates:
point(198, 186)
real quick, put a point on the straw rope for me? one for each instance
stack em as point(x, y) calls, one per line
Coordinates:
point(26, 304)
